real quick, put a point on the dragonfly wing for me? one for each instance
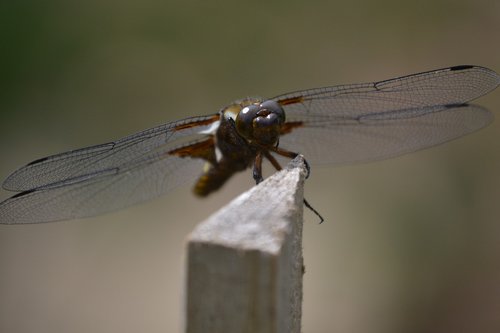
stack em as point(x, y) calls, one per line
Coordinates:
point(101, 158)
point(368, 139)
point(364, 122)
point(107, 191)
point(453, 85)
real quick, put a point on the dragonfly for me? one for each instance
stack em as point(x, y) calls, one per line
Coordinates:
point(330, 126)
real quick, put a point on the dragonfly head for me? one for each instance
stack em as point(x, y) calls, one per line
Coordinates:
point(261, 122)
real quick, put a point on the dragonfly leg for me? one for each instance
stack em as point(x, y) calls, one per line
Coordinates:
point(291, 155)
point(273, 161)
point(257, 168)
point(311, 208)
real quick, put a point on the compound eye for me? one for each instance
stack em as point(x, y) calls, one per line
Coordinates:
point(274, 108)
point(244, 120)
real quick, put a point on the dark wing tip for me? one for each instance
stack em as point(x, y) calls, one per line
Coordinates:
point(23, 193)
point(38, 161)
point(482, 69)
point(461, 67)
point(8, 182)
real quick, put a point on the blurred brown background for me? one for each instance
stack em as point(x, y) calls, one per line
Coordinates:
point(410, 244)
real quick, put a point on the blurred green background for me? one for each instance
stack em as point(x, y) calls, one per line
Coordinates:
point(410, 244)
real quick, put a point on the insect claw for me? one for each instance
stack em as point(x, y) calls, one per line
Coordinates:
point(308, 169)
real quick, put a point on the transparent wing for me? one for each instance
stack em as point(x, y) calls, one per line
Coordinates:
point(378, 137)
point(363, 122)
point(152, 176)
point(108, 157)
